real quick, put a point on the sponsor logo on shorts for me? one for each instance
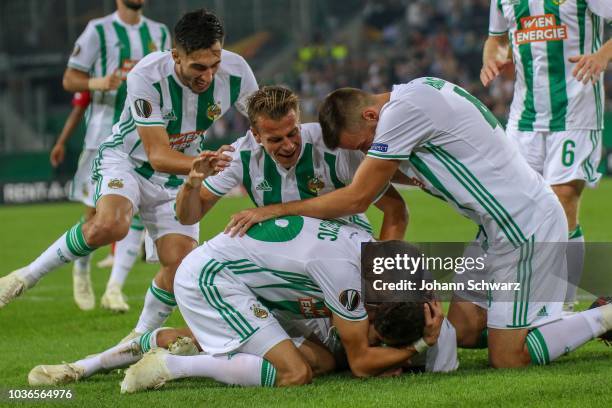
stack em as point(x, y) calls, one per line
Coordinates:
point(315, 184)
point(350, 299)
point(540, 28)
point(115, 183)
point(214, 111)
point(259, 311)
point(379, 147)
point(143, 108)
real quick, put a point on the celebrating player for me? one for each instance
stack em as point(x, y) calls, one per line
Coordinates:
point(443, 139)
point(173, 97)
point(281, 160)
point(96, 66)
point(557, 112)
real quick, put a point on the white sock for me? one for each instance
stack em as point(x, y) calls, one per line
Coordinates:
point(70, 246)
point(82, 264)
point(126, 254)
point(575, 262)
point(549, 342)
point(119, 356)
point(236, 369)
point(158, 305)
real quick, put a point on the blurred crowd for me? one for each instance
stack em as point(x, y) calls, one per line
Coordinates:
point(399, 41)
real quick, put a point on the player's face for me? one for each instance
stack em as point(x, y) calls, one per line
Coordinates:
point(197, 69)
point(280, 138)
point(360, 139)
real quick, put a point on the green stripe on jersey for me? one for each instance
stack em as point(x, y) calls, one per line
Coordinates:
point(330, 159)
point(157, 87)
point(176, 97)
point(103, 56)
point(556, 75)
point(521, 10)
point(245, 158)
point(206, 100)
point(164, 35)
point(304, 172)
point(148, 45)
point(235, 82)
point(273, 195)
point(125, 53)
point(581, 11)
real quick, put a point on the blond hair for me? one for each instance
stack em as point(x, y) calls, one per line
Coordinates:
point(273, 102)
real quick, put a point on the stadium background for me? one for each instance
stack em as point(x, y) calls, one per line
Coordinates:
point(314, 46)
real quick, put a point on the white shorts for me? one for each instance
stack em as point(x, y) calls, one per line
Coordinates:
point(538, 267)
point(82, 188)
point(561, 157)
point(221, 311)
point(114, 174)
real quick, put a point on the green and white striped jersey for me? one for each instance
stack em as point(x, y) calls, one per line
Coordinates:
point(452, 146)
point(108, 45)
point(298, 267)
point(544, 34)
point(157, 97)
point(319, 170)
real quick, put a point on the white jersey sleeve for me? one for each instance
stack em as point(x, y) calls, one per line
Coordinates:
point(86, 50)
point(220, 184)
point(603, 8)
point(401, 127)
point(341, 289)
point(347, 167)
point(497, 23)
point(248, 86)
point(144, 101)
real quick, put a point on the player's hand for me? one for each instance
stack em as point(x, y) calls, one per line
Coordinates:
point(492, 69)
point(208, 164)
point(589, 67)
point(242, 221)
point(57, 155)
point(433, 321)
point(107, 83)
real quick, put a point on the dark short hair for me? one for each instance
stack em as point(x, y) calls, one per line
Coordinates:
point(198, 30)
point(400, 323)
point(337, 112)
point(273, 102)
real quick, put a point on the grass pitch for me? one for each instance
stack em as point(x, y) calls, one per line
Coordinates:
point(45, 327)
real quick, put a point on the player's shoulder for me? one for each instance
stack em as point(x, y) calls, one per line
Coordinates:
point(153, 66)
point(233, 63)
point(246, 143)
point(153, 23)
point(311, 133)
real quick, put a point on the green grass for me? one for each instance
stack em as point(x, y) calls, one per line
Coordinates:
point(45, 327)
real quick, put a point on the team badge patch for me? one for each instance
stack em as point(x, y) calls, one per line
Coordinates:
point(115, 183)
point(214, 111)
point(259, 312)
point(315, 184)
point(143, 108)
point(350, 299)
point(76, 51)
point(379, 147)
point(558, 2)
point(152, 47)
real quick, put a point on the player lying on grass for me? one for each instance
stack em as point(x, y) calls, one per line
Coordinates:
point(316, 340)
point(173, 97)
point(436, 135)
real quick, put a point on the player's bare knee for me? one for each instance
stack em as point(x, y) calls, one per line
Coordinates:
point(101, 231)
point(297, 374)
point(510, 359)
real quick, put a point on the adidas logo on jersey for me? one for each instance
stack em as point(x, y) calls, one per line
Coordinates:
point(264, 186)
point(168, 115)
point(543, 312)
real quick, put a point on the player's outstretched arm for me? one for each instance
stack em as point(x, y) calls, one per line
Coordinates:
point(58, 152)
point(371, 177)
point(78, 81)
point(193, 201)
point(589, 67)
point(495, 57)
point(395, 215)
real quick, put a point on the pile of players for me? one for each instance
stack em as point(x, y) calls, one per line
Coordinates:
point(280, 289)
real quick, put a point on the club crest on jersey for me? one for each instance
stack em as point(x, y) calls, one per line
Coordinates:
point(143, 108)
point(152, 47)
point(115, 183)
point(259, 311)
point(379, 147)
point(558, 2)
point(350, 299)
point(214, 111)
point(315, 184)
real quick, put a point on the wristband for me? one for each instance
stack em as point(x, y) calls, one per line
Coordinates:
point(420, 345)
